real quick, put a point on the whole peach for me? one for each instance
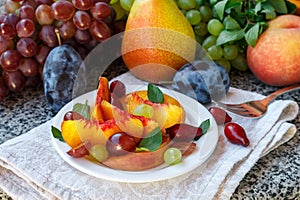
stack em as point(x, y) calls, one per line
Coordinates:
point(275, 59)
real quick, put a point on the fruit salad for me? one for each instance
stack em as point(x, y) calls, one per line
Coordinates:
point(129, 131)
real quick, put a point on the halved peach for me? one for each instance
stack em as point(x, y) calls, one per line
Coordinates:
point(138, 161)
point(167, 98)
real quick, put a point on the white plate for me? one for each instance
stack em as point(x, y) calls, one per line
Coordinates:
point(195, 114)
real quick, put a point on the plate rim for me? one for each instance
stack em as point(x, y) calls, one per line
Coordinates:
point(144, 176)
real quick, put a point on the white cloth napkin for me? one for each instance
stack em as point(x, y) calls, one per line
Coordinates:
point(30, 167)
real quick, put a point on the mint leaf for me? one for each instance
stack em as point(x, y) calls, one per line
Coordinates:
point(229, 36)
point(251, 35)
point(155, 94)
point(83, 109)
point(220, 8)
point(152, 141)
point(205, 126)
point(231, 24)
point(279, 6)
point(57, 134)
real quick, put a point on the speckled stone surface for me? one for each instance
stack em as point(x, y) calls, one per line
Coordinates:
point(275, 176)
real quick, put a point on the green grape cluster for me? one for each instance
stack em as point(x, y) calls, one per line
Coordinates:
point(224, 28)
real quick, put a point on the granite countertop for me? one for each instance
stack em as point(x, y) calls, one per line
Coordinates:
point(275, 176)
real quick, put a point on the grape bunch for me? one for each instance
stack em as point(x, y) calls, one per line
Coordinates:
point(30, 29)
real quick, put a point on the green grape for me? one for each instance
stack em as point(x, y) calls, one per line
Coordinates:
point(201, 29)
point(143, 110)
point(224, 63)
point(172, 156)
point(230, 51)
point(113, 1)
point(214, 27)
point(120, 12)
point(200, 2)
point(206, 13)
point(215, 52)
point(199, 39)
point(98, 152)
point(186, 4)
point(126, 4)
point(240, 63)
point(193, 16)
point(209, 41)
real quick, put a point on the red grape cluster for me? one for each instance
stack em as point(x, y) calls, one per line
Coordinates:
point(29, 29)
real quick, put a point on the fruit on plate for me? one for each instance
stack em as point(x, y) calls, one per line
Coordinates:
point(59, 74)
point(145, 132)
point(275, 58)
point(158, 39)
point(202, 80)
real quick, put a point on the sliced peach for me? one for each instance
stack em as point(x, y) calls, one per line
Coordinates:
point(167, 99)
point(76, 132)
point(103, 93)
point(166, 114)
point(124, 120)
point(138, 161)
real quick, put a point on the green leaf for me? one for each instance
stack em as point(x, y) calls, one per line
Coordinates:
point(152, 141)
point(251, 35)
point(291, 7)
point(233, 4)
point(229, 36)
point(83, 109)
point(279, 6)
point(155, 94)
point(205, 126)
point(268, 10)
point(220, 8)
point(231, 24)
point(257, 7)
point(57, 134)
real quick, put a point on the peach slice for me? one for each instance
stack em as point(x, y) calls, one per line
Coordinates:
point(166, 114)
point(76, 132)
point(103, 93)
point(138, 161)
point(167, 99)
point(124, 120)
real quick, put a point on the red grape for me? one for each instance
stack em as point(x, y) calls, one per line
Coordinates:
point(29, 67)
point(100, 10)
point(63, 10)
point(48, 36)
point(25, 28)
point(11, 6)
point(7, 31)
point(99, 30)
point(44, 14)
point(26, 12)
point(2, 17)
point(42, 53)
point(3, 44)
point(15, 81)
point(31, 3)
point(120, 143)
point(27, 47)
point(82, 20)
point(10, 60)
point(67, 30)
point(117, 88)
point(82, 4)
point(3, 89)
point(11, 19)
point(32, 81)
point(82, 36)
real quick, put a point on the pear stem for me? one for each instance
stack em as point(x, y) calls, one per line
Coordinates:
point(58, 36)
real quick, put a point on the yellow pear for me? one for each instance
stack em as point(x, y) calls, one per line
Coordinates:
point(157, 41)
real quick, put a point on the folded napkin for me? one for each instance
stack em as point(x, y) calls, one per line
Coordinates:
point(30, 167)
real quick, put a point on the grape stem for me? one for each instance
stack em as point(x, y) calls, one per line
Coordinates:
point(58, 36)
